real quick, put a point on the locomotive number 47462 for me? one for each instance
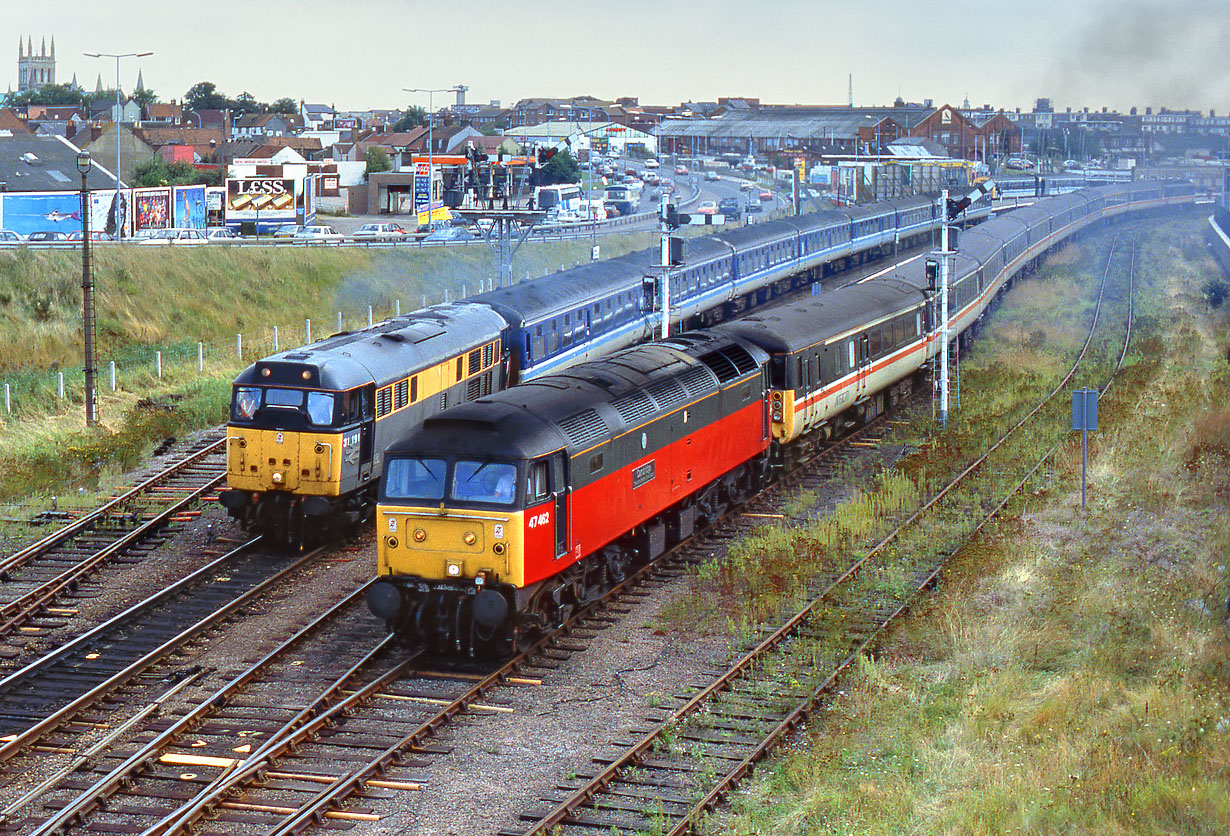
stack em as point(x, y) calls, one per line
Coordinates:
point(538, 519)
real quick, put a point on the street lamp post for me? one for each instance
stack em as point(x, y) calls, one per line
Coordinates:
point(431, 176)
point(119, 221)
point(87, 291)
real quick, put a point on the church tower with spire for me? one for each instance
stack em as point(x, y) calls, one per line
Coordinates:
point(33, 71)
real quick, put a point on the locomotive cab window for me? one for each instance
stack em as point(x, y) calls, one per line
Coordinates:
point(414, 479)
point(247, 400)
point(493, 482)
point(537, 483)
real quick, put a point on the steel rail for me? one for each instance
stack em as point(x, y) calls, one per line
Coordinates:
point(24, 554)
point(22, 609)
point(75, 810)
point(22, 740)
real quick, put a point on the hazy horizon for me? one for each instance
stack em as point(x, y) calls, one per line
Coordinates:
point(1106, 53)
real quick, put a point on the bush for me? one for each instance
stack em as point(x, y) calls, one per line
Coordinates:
point(1215, 292)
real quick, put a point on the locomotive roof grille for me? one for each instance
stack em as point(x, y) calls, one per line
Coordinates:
point(697, 381)
point(730, 363)
point(668, 393)
point(584, 428)
point(635, 407)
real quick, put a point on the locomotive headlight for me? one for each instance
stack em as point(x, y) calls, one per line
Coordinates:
point(777, 415)
point(419, 535)
point(469, 538)
point(277, 477)
point(453, 569)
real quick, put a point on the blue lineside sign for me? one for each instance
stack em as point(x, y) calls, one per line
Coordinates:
point(1085, 410)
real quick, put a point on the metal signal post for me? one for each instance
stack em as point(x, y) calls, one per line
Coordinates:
point(87, 292)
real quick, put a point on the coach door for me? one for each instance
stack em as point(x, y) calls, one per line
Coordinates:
point(559, 484)
point(863, 349)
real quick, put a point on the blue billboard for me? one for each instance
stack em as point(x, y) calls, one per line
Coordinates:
point(189, 207)
point(24, 213)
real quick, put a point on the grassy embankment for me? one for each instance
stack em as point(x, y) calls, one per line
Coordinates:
point(152, 299)
point(1071, 674)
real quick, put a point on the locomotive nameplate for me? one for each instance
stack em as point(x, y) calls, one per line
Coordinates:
point(643, 474)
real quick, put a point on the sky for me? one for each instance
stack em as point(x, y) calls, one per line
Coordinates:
point(361, 54)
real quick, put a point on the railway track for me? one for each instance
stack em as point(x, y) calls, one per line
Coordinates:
point(685, 761)
point(40, 704)
point(38, 582)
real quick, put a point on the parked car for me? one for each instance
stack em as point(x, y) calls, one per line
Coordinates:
point(729, 206)
point(176, 237)
point(95, 235)
point(1018, 162)
point(681, 169)
point(707, 207)
point(319, 234)
point(7, 236)
point(450, 233)
point(380, 232)
point(287, 230)
point(43, 237)
point(765, 194)
point(651, 163)
point(221, 235)
point(711, 176)
point(746, 186)
point(753, 207)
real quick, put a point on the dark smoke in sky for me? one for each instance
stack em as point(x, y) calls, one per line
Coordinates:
point(1170, 53)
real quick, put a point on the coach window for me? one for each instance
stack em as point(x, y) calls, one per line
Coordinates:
point(918, 324)
point(876, 342)
point(850, 349)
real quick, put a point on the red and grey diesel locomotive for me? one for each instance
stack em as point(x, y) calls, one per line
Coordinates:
point(498, 517)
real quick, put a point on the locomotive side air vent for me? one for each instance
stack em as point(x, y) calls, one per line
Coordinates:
point(584, 428)
point(634, 408)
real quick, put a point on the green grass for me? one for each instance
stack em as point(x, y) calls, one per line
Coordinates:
point(1071, 675)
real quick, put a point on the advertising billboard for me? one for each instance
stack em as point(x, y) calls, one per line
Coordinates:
point(215, 203)
point(52, 211)
point(152, 208)
point(189, 207)
point(260, 198)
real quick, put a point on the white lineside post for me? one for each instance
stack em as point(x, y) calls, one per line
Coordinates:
point(944, 309)
point(369, 317)
point(158, 363)
point(200, 357)
point(397, 307)
point(666, 269)
point(339, 322)
point(307, 329)
point(275, 340)
point(112, 375)
point(60, 385)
